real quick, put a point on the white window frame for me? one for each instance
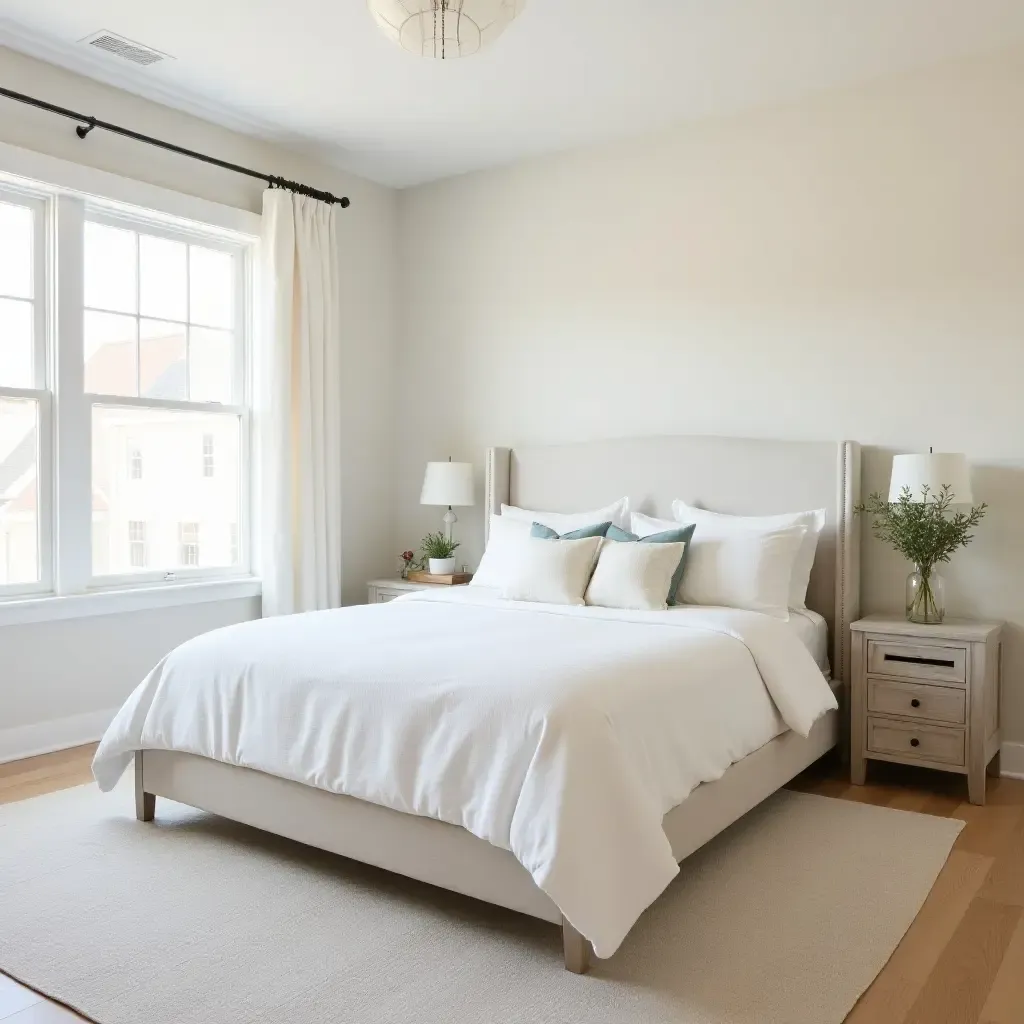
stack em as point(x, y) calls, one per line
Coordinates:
point(66, 191)
point(40, 392)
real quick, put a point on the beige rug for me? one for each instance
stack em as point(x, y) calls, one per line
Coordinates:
point(787, 917)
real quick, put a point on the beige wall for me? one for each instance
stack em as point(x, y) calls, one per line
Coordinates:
point(852, 267)
point(101, 659)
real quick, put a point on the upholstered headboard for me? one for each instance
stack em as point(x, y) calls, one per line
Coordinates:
point(725, 474)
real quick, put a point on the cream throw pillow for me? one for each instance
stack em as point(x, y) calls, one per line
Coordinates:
point(550, 571)
point(634, 575)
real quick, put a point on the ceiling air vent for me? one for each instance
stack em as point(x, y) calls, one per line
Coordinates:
point(135, 53)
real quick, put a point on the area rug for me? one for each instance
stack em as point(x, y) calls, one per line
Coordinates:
point(786, 917)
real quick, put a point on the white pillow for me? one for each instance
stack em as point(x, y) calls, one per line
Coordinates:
point(634, 575)
point(565, 522)
point(644, 526)
point(814, 521)
point(551, 571)
point(503, 540)
point(735, 568)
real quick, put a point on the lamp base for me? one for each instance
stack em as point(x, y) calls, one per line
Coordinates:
point(450, 519)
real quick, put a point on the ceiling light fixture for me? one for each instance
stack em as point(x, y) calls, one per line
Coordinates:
point(444, 28)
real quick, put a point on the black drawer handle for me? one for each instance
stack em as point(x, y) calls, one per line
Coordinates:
point(911, 660)
point(915, 703)
point(915, 742)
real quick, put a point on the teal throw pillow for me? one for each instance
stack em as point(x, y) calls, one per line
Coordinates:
point(546, 533)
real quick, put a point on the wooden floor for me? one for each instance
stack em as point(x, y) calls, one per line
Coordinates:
point(962, 962)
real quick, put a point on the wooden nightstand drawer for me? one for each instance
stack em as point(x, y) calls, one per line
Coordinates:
point(925, 662)
point(928, 742)
point(918, 700)
point(388, 595)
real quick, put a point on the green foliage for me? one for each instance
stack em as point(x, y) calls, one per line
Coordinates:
point(921, 530)
point(437, 545)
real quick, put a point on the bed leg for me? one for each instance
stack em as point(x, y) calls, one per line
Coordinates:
point(145, 803)
point(576, 949)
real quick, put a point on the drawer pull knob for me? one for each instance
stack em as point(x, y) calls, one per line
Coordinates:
point(915, 703)
point(915, 742)
point(910, 660)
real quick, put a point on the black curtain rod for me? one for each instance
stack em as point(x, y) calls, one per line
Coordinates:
point(87, 124)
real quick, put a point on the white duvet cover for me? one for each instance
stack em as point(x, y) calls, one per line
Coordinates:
point(562, 734)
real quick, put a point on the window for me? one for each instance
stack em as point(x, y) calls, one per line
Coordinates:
point(162, 368)
point(149, 368)
point(134, 461)
point(137, 544)
point(24, 396)
point(188, 544)
point(208, 455)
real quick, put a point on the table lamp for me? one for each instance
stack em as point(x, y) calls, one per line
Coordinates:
point(448, 483)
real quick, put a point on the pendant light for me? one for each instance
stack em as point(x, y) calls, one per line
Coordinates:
point(444, 28)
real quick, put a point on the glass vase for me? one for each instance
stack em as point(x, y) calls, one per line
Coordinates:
point(926, 595)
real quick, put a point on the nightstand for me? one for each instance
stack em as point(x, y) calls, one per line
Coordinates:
point(926, 695)
point(379, 591)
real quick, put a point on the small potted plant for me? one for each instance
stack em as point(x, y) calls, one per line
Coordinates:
point(439, 551)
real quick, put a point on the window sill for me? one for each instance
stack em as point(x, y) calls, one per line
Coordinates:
point(20, 611)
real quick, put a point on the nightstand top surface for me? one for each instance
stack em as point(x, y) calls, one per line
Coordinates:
point(949, 629)
point(396, 583)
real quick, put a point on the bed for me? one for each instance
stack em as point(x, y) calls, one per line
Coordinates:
point(413, 838)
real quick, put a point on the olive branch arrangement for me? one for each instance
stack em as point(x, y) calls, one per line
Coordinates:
point(922, 531)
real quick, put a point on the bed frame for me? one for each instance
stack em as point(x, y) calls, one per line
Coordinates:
point(752, 477)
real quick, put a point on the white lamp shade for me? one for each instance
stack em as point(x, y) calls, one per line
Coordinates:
point(447, 483)
point(933, 471)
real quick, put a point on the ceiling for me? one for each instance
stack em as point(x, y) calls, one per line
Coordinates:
point(319, 76)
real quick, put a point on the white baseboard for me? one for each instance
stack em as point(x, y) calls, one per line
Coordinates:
point(55, 734)
point(1011, 762)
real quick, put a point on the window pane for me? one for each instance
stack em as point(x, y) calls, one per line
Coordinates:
point(15, 251)
point(162, 285)
point(19, 494)
point(16, 343)
point(110, 268)
point(211, 365)
point(110, 352)
point(149, 465)
point(162, 359)
point(212, 287)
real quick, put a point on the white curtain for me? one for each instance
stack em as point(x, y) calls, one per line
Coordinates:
point(298, 414)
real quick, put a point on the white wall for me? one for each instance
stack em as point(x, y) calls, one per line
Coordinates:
point(83, 667)
point(852, 267)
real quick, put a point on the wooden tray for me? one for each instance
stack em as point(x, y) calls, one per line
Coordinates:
point(454, 579)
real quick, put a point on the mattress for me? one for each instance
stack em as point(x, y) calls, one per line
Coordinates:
point(813, 632)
